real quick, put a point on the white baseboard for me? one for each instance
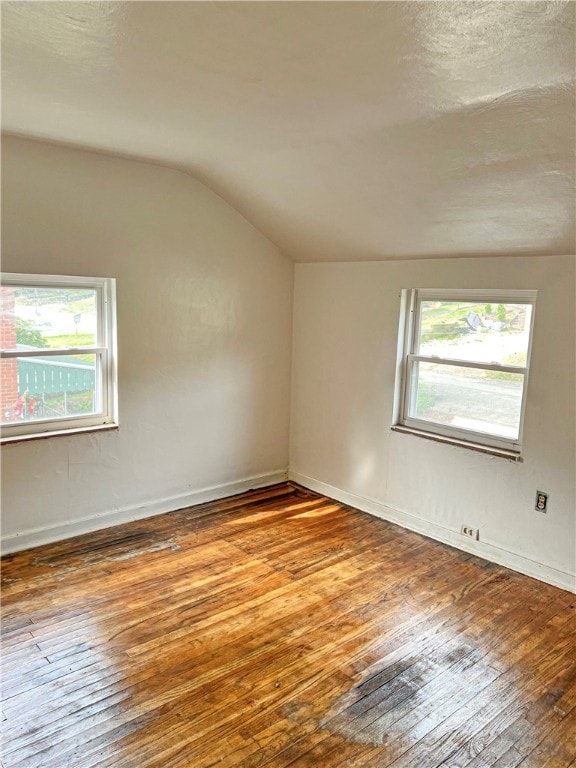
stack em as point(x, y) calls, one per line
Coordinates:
point(494, 554)
point(48, 534)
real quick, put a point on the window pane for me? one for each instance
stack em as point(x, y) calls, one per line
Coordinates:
point(34, 318)
point(485, 333)
point(36, 388)
point(467, 398)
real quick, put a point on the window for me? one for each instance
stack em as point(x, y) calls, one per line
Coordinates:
point(464, 364)
point(58, 354)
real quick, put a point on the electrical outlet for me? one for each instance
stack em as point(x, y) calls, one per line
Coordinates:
point(541, 503)
point(472, 533)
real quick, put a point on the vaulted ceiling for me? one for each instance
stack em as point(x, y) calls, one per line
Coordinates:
point(342, 130)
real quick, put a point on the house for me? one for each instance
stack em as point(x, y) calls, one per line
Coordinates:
point(266, 183)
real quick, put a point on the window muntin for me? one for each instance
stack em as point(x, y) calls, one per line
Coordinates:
point(465, 360)
point(58, 361)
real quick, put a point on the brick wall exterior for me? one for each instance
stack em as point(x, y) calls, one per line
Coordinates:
point(9, 368)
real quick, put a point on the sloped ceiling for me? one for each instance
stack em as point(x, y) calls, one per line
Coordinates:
point(342, 130)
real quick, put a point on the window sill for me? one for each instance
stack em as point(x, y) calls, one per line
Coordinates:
point(59, 433)
point(486, 449)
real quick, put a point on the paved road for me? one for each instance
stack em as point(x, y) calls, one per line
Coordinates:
point(491, 400)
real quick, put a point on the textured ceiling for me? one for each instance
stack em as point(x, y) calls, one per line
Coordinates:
point(343, 131)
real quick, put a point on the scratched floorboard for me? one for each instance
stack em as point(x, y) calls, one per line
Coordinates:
point(280, 628)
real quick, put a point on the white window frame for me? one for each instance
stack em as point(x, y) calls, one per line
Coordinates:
point(105, 351)
point(408, 355)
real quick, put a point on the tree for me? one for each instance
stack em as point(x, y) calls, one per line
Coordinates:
point(28, 335)
point(501, 313)
point(488, 309)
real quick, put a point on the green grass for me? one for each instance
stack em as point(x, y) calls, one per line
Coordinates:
point(78, 402)
point(72, 340)
point(81, 306)
point(452, 315)
point(426, 398)
point(449, 313)
point(517, 358)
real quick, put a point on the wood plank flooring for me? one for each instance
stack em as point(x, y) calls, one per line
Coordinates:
point(280, 628)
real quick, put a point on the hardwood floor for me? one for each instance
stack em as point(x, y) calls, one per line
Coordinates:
point(281, 628)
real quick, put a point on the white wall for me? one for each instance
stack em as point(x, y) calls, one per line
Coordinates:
point(204, 319)
point(345, 336)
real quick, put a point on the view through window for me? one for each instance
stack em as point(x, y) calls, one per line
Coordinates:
point(57, 352)
point(466, 364)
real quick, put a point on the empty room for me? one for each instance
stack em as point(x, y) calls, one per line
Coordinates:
point(288, 345)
